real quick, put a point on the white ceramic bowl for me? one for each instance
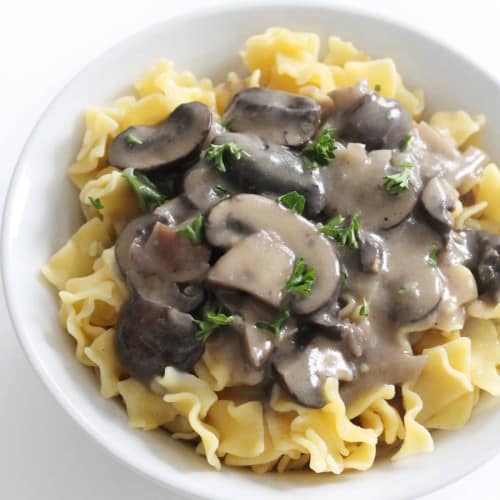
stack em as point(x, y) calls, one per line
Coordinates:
point(42, 211)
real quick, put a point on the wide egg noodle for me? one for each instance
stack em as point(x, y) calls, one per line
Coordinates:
point(281, 435)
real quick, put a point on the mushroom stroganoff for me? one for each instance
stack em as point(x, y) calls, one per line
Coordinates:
point(291, 269)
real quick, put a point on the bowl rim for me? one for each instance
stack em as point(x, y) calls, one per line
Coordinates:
point(174, 484)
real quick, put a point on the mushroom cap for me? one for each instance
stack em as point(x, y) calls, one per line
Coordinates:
point(272, 168)
point(239, 216)
point(151, 336)
point(177, 139)
point(274, 115)
point(439, 199)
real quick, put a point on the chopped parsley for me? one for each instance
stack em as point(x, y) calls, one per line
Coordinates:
point(344, 277)
point(147, 193)
point(276, 325)
point(220, 191)
point(294, 201)
point(96, 203)
point(345, 234)
point(131, 140)
point(378, 87)
point(302, 278)
point(401, 290)
point(321, 151)
point(363, 309)
point(432, 257)
point(226, 122)
point(213, 320)
point(215, 154)
point(404, 143)
point(400, 182)
point(193, 231)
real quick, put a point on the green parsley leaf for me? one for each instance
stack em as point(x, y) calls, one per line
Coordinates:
point(213, 320)
point(96, 203)
point(226, 122)
point(220, 191)
point(404, 143)
point(397, 183)
point(302, 278)
point(344, 277)
point(321, 151)
point(378, 87)
point(294, 201)
point(215, 154)
point(432, 258)
point(401, 290)
point(406, 164)
point(276, 325)
point(193, 231)
point(363, 310)
point(345, 234)
point(147, 193)
point(131, 140)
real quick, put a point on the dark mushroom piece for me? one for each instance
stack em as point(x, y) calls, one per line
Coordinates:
point(373, 120)
point(276, 116)
point(239, 216)
point(303, 371)
point(178, 139)
point(151, 336)
point(372, 252)
point(176, 211)
point(273, 169)
point(439, 199)
point(259, 264)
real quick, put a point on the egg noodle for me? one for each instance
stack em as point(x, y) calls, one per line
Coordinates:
point(228, 426)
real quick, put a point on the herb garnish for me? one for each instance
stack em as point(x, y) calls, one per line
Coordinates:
point(96, 203)
point(294, 201)
point(342, 233)
point(213, 319)
point(377, 87)
point(400, 182)
point(225, 122)
point(276, 325)
point(401, 290)
point(131, 140)
point(321, 151)
point(215, 154)
point(404, 143)
point(363, 310)
point(302, 278)
point(432, 258)
point(344, 277)
point(147, 193)
point(193, 231)
point(220, 191)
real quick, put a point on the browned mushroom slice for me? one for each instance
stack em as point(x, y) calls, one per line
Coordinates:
point(439, 199)
point(151, 336)
point(274, 115)
point(347, 194)
point(179, 138)
point(302, 372)
point(373, 120)
point(271, 168)
point(235, 218)
point(373, 253)
point(259, 265)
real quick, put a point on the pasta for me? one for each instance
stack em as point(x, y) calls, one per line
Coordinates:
point(241, 430)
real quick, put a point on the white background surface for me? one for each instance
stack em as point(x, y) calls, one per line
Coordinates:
point(43, 454)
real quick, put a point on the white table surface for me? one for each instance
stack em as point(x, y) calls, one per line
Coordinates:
point(44, 455)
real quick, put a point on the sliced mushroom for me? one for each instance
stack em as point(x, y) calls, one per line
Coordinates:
point(151, 336)
point(232, 220)
point(204, 186)
point(274, 115)
point(176, 211)
point(177, 139)
point(272, 168)
point(303, 372)
point(260, 265)
point(373, 120)
point(439, 199)
point(373, 253)
point(355, 183)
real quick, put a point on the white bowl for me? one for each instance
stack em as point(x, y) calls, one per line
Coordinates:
point(42, 211)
